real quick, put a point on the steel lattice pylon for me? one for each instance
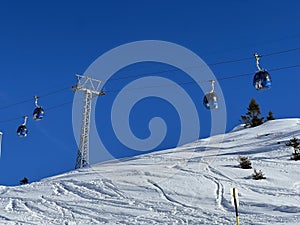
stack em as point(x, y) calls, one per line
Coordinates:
point(90, 88)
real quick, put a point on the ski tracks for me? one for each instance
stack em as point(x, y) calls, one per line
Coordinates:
point(221, 202)
point(86, 201)
point(170, 199)
point(94, 190)
point(219, 192)
point(188, 214)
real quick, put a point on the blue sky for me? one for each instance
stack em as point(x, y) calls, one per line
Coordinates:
point(42, 46)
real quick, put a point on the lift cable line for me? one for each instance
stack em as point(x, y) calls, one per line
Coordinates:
point(46, 109)
point(281, 52)
point(205, 81)
point(173, 70)
point(91, 88)
point(209, 64)
point(158, 86)
point(30, 100)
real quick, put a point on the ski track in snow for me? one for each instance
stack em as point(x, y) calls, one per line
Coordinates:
point(170, 199)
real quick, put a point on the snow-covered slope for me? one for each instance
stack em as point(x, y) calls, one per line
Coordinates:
point(187, 185)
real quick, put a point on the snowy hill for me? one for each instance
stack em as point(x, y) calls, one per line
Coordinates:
point(187, 185)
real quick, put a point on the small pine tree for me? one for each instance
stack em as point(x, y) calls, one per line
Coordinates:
point(270, 116)
point(258, 175)
point(24, 181)
point(293, 142)
point(252, 116)
point(244, 162)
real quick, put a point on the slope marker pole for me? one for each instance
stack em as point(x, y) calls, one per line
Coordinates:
point(236, 204)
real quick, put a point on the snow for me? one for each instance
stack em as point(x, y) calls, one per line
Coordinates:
point(190, 184)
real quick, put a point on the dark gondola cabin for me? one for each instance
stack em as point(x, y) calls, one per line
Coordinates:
point(22, 131)
point(38, 113)
point(262, 80)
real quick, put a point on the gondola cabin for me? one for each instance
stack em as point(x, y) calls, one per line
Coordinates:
point(38, 113)
point(22, 131)
point(262, 80)
point(210, 100)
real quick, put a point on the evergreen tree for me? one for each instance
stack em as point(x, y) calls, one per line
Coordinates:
point(270, 116)
point(244, 162)
point(252, 116)
point(293, 142)
point(258, 175)
point(24, 181)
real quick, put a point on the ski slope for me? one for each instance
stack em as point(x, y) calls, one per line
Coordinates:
point(186, 185)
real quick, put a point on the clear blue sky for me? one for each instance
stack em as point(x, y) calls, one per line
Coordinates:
point(42, 46)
